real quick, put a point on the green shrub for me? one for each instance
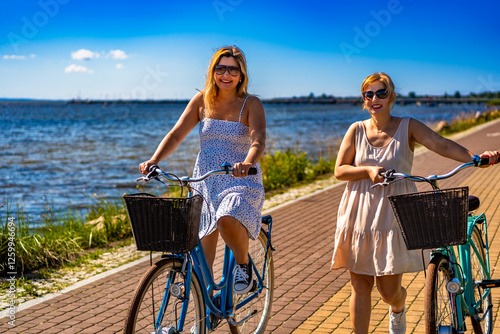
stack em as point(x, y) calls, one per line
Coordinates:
point(284, 169)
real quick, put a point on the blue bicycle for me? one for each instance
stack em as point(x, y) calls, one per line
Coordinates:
point(178, 294)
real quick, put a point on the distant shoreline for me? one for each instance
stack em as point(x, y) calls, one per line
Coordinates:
point(429, 101)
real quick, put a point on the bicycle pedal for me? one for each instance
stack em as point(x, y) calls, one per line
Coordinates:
point(214, 321)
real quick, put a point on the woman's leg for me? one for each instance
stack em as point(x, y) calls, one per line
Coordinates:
point(235, 235)
point(392, 292)
point(209, 243)
point(361, 303)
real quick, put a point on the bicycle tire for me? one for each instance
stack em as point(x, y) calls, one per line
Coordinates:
point(439, 313)
point(148, 298)
point(478, 274)
point(263, 302)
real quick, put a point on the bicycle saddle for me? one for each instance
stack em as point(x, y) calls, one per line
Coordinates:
point(473, 203)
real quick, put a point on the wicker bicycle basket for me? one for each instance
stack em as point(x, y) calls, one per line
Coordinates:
point(432, 219)
point(164, 224)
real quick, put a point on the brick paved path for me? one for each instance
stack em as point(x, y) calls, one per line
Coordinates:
point(308, 297)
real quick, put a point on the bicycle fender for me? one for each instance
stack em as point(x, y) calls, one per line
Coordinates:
point(473, 221)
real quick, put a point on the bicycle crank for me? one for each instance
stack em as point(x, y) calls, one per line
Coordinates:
point(237, 323)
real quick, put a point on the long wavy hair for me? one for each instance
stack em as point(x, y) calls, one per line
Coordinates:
point(384, 79)
point(211, 89)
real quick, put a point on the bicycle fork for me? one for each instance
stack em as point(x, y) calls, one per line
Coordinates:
point(178, 290)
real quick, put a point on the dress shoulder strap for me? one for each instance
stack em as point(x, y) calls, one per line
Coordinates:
point(359, 134)
point(242, 107)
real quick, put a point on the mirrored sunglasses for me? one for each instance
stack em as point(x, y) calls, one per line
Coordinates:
point(232, 70)
point(381, 94)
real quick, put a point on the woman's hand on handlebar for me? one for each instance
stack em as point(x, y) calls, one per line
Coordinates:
point(240, 169)
point(144, 167)
point(375, 174)
point(493, 156)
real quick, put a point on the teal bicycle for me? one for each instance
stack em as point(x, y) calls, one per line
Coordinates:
point(179, 294)
point(458, 283)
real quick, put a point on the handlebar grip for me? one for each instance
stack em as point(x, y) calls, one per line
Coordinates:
point(152, 171)
point(486, 161)
point(252, 171)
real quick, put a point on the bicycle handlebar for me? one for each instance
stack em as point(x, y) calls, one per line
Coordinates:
point(154, 171)
point(392, 176)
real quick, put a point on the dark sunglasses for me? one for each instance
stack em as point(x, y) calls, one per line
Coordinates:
point(381, 94)
point(232, 70)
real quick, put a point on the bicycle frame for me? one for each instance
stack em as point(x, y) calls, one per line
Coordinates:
point(463, 299)
point(196, 260)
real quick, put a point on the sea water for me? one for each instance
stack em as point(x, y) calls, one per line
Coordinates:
point(65, 155)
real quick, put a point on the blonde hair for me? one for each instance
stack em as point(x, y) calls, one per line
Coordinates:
point(211, 89)
point(385, 80)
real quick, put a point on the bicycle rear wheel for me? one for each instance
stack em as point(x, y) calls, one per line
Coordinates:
point(440, 312)
point(149, 296)
point(263, 301)
point(478, 274)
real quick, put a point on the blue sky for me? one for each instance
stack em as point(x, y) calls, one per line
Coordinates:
point(65, 49)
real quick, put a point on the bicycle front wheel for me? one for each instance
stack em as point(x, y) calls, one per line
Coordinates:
point(440, 311)
point(478, 274)
point(262, 303)
point(158, 300)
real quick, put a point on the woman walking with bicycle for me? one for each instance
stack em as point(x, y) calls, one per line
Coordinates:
point(232, 129)
point(367, 240)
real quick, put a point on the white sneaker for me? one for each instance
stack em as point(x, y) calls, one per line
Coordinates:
point(243, 280)
point(397, 322)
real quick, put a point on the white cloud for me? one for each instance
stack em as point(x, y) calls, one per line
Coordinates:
point(13, 57)
point(119, 66)
point(77, 68)
point(32, 55)
point(83, 54)
point(117, 54)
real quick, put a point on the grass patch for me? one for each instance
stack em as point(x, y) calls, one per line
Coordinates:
point(466, 122)
point(495, 102)
point(62, 238)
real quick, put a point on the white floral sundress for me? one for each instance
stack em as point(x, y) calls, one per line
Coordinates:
point(242, 198)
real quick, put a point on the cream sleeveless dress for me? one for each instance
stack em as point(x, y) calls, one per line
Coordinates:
point(368, 240)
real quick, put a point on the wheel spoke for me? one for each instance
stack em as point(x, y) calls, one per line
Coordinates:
point(150, 297)
point(261, 303)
